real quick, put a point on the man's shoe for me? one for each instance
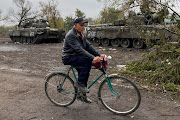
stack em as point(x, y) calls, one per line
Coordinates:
point(87, 100)
point(83, 98)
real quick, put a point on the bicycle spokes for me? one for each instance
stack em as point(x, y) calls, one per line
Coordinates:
point(119, 95)
point(60, 89)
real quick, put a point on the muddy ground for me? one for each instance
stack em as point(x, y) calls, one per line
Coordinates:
point(22, 97)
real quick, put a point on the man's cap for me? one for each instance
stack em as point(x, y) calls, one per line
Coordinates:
point(80, 21)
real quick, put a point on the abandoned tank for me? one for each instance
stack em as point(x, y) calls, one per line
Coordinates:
point(131, 32)
point(36, 31)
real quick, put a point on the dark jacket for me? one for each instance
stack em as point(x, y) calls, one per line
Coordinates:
point(74, 45)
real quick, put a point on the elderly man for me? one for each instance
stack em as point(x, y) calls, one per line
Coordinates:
point(77, 51)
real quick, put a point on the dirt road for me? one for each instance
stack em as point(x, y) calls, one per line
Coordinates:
point(22, 96)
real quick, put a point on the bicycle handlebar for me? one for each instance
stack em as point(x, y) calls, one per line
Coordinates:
point(102, 60)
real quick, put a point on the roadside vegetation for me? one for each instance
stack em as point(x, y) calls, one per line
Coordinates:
point(160, 67)
point(4, 30)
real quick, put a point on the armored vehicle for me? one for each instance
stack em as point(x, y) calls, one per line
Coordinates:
point(36, 31)
point(131, 32)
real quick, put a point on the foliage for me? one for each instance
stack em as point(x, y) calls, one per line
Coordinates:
point(109, 15)
point(0, 14)
point(4, 30)
point(56, 23)
point(161, 65)
point(171, 87)
point(68, 23)
point(93, 21)
point(50, 12)
point(145, 6)
point(178, 24)
point(79, 13)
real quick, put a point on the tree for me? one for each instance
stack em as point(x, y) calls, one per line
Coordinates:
point(109, 15)
point(144, 5)
point(79, 13)
point(0, 14)
point(68, 23)
point(22, 11)
point(50, 12)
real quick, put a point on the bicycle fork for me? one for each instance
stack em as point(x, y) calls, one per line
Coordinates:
point(111, 88)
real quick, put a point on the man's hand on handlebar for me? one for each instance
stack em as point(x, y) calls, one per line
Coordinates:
point(97, 59)
point(102, 55)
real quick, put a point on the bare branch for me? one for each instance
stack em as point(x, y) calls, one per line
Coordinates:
point(21, 12)
point(50, 12)
point(166, 7)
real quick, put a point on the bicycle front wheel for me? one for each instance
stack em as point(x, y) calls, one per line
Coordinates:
point(122, 97)
point(60, 89)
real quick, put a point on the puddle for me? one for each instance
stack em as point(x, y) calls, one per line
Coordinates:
point(11, 48)
point(6, 68)
point(12, 69)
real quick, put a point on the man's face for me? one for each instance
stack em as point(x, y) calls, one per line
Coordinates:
point(80, 27)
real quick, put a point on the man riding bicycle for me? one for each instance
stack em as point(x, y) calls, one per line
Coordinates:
point(77, 51)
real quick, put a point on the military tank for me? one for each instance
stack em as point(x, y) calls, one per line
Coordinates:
point(131, 32)
point(36, 31)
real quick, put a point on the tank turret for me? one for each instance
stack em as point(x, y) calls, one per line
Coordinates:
point(139, 19)
point(36, 31)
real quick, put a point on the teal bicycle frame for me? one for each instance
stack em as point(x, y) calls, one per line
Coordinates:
point(103, 73)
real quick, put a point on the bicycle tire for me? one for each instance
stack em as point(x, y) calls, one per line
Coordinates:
point(64, 96)
point(129, 99)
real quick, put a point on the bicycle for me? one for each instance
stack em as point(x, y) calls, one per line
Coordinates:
point(118, 94)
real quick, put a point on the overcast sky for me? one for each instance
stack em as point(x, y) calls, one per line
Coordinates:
point(91, 8)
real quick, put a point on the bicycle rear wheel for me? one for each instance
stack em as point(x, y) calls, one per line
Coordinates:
point(126, 102)
point(60, 89)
